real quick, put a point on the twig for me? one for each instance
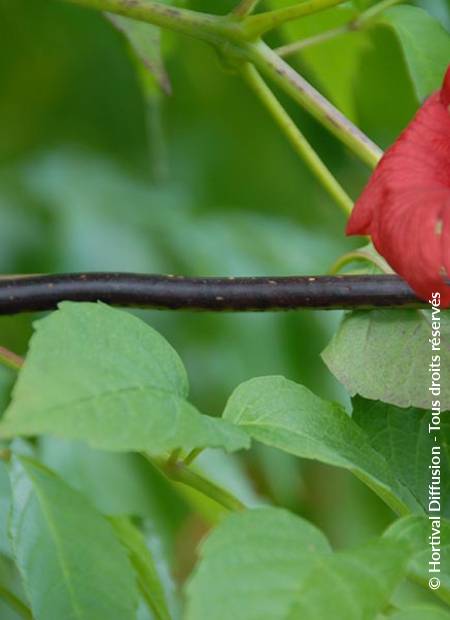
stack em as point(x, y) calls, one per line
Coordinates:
point(374, 11)
point(211, 28)
point(238, 40)
point(354, 25)
point(245, 7)
point(212, 294)
point(257, 25)
point(275, 68)
point(321, 37)
point(297, 139)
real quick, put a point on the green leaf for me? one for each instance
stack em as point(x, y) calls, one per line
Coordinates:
point(285, 415)
point(72, 564)
point(439, 9)
point(116, 483)
point(5, 505)
point(261, 563)
point(144, 565)
point(421, 612)
point(425, 44)
point(251, 566)
point(103, 376)
point(13, 603)
point(402, 437)
point(145, 40)
point(414, 532)
point(119, 484)
point(357, 583)
point(396, 374)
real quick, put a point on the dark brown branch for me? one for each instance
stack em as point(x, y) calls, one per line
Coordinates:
point(33, 293)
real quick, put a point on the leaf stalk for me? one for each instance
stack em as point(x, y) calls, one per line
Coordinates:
point(296, 138)
point(181, 473)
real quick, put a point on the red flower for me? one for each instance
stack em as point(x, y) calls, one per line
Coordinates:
point(406, 204)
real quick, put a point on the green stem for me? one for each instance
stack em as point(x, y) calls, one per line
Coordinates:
point(296, 46)
point(179, 472)
point(15, 603)
point(372, 12)
point(343, 260)
point(173, 458)
point(144, 564)
point(257, 25)
point(296, 138)
point(193, 454)
point(245, 7)
point(230, 35)
point(354, 25)
point(359, 255)
point(274, 67)
point(210, 28)
point(10, 359)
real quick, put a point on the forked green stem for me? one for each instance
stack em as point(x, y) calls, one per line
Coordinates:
point(354, 25)
point(274, 67)
point(234, 35)
point(211, 28)
point(296, 138)
point(230, 35)
point(257, 25)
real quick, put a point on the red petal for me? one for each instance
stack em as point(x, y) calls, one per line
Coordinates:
point(406, 204)
point(445, 92)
